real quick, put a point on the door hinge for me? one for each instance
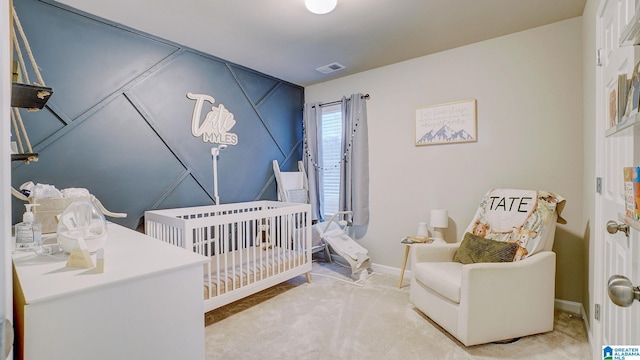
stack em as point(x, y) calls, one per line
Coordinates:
point(599, 57)
point(599, 185)
point(596, 314)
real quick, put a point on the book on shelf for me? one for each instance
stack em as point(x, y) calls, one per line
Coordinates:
point(632, 192)
point(623, 96)
point(630, 88)
point(634, 92)
point(631, 108)
point(415, 240)
point(613, 108)
point(635, 96)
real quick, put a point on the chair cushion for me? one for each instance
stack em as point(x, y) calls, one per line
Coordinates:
point(443, 278)
point(475, 249)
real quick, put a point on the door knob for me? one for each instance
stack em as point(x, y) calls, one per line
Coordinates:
point(613, 227)
point(622, 292)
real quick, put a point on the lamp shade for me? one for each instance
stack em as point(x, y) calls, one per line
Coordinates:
point(439, 218)
point(320, 6)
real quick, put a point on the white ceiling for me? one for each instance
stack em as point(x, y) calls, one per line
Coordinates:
point(282, 39)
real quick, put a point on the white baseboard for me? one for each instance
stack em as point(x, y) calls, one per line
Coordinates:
point(389, 270)
point(576, 308)
point(570, 306)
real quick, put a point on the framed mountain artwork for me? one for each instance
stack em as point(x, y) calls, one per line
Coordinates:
point(448, 123)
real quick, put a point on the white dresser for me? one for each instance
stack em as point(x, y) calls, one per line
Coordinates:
point(147, 304)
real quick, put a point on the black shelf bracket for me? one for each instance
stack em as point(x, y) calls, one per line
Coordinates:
point(28, 157)
point(29, 96)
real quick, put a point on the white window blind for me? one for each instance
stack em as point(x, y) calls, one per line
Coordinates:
point(330, 158)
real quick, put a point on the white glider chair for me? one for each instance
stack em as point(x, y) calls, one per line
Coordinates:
point(498, 283)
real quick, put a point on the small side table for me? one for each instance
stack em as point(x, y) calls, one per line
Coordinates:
point(408, 241)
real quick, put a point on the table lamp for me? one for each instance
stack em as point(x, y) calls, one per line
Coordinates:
point(439, 221)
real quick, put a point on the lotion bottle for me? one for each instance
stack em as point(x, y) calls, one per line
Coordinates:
point(28, 232)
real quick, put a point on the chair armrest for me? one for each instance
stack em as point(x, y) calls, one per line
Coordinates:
point(432, 252)
point(529, 270)
point(489, 290)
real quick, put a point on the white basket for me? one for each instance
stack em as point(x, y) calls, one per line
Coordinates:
point(49, 208)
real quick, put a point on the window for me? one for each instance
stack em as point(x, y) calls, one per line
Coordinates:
point(330, 159)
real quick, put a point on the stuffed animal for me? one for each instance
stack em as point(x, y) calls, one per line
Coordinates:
point(480, 229)
point(264, 237)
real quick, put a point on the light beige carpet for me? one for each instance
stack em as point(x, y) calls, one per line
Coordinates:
point(333, 319)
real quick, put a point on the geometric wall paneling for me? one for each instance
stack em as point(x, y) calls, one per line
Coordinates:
point(187, 192)
point(84, 60)
point(39, 125)
point(119, 122)
point(120, 162)
point(269, 191)
point(255, 85)
point(278, 106)
point(192, 72)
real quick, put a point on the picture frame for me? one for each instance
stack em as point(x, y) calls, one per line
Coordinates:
point(448, 123)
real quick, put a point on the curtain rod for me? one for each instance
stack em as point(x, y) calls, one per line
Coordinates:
point(365, 96)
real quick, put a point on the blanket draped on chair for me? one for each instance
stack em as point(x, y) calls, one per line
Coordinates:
point(518, 216)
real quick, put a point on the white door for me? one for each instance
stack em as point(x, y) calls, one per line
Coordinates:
point(614, 253)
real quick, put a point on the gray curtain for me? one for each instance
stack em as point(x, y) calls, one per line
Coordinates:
point(312, 121)
point(354, 177)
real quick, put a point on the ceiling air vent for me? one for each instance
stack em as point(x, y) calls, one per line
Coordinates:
point(330, 68)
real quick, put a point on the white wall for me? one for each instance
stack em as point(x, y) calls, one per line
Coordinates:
point(6, 303)
point(528, 88)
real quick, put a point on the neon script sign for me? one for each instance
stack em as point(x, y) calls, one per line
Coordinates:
point(216, 124)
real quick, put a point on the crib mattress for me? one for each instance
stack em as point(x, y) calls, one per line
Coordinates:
point(233, 270)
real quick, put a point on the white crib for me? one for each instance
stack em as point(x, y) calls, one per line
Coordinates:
point(252, 245)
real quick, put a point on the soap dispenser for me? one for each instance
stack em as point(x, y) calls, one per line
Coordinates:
point(28, 232)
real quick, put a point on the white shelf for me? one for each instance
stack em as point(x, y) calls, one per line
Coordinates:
point(635, 224)
point(626, 123)
point(631, 34)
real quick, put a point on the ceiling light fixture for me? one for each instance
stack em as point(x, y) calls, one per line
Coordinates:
point(320, 7)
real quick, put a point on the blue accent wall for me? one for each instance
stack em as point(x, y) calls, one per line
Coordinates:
point(119, 120)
